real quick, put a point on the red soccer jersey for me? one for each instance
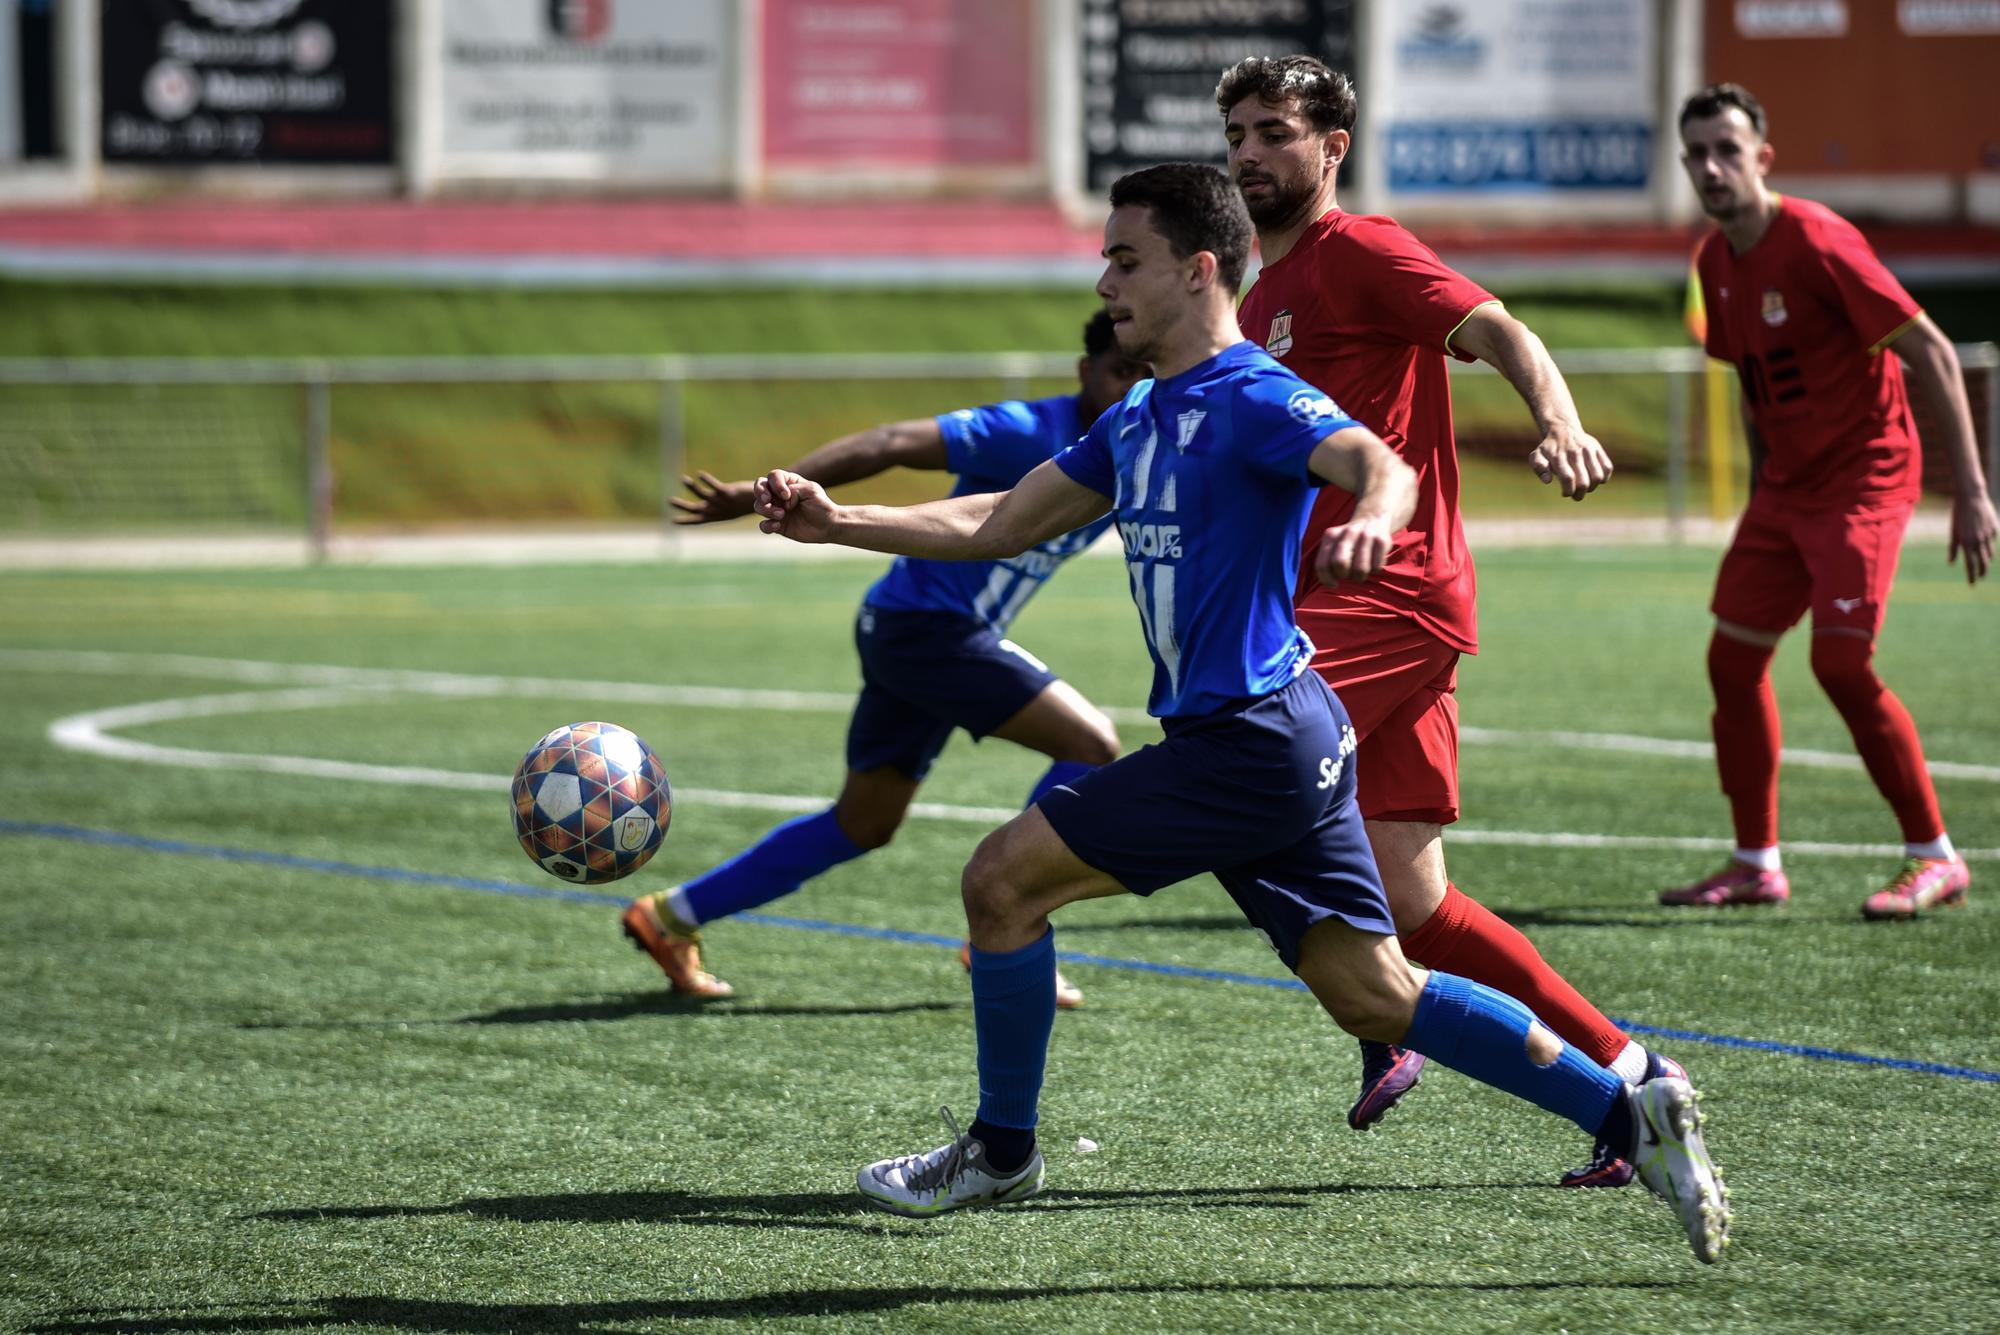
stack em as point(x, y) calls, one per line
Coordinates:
point(1805, 315)
point(1362, 309)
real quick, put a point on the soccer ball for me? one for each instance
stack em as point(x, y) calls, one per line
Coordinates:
point(591, 803)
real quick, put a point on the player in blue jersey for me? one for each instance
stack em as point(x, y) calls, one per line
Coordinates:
point(934, 656)
point(1210, 472)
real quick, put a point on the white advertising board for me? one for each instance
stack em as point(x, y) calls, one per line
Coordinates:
point(610, 91)
point(1517, 98)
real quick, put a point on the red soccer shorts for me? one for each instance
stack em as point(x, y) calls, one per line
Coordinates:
point(1397, 681)
point(1784, 560)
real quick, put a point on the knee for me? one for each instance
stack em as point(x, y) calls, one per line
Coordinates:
point(990, 887)
point(866, 828)
point(1736, 665)
point(1371, 1009)
point(1095, 743)
point(1844, 666)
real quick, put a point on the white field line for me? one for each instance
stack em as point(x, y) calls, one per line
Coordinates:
point(810, 702)
point(1799, 757)
point(91, 733)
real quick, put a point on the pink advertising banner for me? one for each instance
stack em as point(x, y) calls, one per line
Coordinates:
point(899, 83)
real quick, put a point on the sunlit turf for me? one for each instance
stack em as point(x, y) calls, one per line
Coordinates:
point(254, 1097)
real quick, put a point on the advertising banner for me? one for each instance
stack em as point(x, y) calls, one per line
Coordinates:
point(1150, 68)
point(899, 83)
point(188, 82)
point(1927, 65)
point(619, 90)
point(1519, 96)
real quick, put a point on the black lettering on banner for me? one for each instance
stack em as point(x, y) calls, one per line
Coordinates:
point(1150, 69)
point(298, 81)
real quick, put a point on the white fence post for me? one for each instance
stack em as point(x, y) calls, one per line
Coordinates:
point(319, 466)
point(673, 446)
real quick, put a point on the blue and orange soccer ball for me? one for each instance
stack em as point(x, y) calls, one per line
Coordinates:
point(591, 803)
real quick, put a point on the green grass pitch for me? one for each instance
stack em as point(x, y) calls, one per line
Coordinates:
point(333, 1090)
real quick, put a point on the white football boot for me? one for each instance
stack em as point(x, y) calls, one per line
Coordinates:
point(1673, 1162)
point(950, 1177)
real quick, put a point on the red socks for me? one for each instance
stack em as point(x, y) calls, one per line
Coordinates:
point(1745, 724)
point(1464, 938)
point(1883, 732)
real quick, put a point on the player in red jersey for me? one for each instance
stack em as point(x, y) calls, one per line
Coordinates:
point(1361, 308)
point(1798, 302)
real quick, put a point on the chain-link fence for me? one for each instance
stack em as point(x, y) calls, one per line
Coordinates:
point(357, 446)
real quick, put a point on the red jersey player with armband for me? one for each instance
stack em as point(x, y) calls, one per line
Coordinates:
point(1799, 303)
point(1360, 308)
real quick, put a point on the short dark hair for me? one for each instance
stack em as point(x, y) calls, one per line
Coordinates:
point(1098, 335)
point(1718, 98)
point(1195, 207)
point(1324, 94)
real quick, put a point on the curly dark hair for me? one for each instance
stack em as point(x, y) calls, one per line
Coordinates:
point(1324, 94)
point(1196, 207)
point(1718, 98)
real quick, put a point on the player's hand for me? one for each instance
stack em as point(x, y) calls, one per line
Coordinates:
point(1570, 455)
point(710, 500)
point(1974, 527)
point(1355, 550)
point(794, 507)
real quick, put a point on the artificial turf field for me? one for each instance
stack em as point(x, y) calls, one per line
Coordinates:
point(315, 1048)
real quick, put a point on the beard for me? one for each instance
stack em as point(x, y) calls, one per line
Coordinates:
point(1133, 344)
point(1724, 210)
point(1281, 203)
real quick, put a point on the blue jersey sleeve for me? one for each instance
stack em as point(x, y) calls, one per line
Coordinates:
point(1000, 443)
point(1280, 419)
point(1088, 462)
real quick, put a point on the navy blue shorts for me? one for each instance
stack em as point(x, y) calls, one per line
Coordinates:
point(1261, 794)
point(925, 673)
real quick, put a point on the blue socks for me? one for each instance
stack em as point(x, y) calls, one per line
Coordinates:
point(797, 851)
point(771, 868)
point(1013, 1012)
point(1058, 774)
point(1484, 1033)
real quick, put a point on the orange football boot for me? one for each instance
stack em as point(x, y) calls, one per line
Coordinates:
point(674, 946)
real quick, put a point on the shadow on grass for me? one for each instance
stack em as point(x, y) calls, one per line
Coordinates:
point(628, 1006)
point(1580, 916)
point(669, 1003)
point(836, 1210)
point(1204, 922)
point(580, 1318)
point(1685, 919)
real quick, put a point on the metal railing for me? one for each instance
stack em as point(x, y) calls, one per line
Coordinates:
point(316, 379)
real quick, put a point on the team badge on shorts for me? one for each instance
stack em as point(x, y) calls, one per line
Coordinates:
point(1774, 307)
point(1280, 340)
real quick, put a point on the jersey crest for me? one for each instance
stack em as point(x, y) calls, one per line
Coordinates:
point(1279, 341)
point(1774, 307)
point(1190, 422)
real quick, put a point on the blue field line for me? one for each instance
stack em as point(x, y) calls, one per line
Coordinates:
point(114, 839)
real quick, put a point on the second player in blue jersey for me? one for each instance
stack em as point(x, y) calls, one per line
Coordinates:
point(935, 657)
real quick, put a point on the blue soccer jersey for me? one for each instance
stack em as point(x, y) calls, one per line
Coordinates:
point(992, 449)
point(1211, 491)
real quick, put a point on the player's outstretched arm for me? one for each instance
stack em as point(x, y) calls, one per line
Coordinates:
point(983, 526)
point(1567, 453)
point(918, 443)
point(1355, 459)
point(1940, 387)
